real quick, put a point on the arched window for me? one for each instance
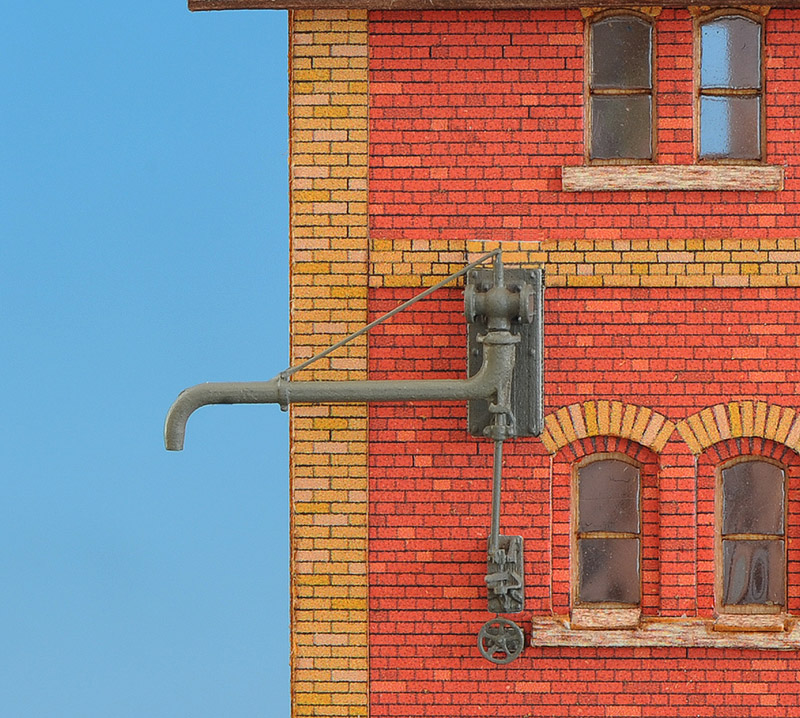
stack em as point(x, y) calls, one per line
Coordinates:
point(730, 88)
point(751, 547)
point(608, 532)
point(620, 88)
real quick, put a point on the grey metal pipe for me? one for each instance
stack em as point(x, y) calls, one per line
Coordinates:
point(492, 380)
point(497, 479)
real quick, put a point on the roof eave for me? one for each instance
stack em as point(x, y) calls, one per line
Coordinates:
point(448, 4)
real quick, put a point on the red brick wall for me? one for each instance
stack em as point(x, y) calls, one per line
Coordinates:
point(675, 350)
point(473, 114)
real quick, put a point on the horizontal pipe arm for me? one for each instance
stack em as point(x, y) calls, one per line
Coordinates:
point(496, 369)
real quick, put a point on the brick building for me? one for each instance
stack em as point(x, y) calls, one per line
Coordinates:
point(423, 138)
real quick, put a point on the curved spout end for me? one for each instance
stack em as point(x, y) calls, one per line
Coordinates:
point(183, 407)
point(175, 425)
point(173, 442)
point(256, 392)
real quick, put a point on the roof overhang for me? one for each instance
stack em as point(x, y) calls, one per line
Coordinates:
point(449, 4)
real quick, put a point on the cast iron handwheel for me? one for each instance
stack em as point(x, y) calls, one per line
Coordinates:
point(500, 640)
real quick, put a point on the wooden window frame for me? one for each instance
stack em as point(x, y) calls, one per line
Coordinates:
point(591, 17)
point(750, 610)
point(700, 18)
point(605, 614)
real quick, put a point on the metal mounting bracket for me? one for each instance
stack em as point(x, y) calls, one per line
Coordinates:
point(527, 387)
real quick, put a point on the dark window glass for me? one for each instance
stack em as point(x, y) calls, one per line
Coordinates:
point(621, 56)
point(753, 525)
point(753, 572)
point(608, 532)
point(752, 498)
point(609, 570)
point(608, 492)
point(621, 127)
point(621, 88)
point(730, 88)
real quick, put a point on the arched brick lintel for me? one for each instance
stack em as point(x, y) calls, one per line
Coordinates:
point(606, 418)
point(741, 419)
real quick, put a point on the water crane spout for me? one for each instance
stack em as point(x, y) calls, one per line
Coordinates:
point(490, 382)
point(191, 399)
point(495, 308)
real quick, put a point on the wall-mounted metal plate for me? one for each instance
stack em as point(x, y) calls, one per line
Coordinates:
point(527, 393)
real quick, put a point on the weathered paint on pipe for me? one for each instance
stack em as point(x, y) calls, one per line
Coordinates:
point(492, 380)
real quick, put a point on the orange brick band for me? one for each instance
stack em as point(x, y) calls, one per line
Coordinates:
point(328, 164)
point(600, 263)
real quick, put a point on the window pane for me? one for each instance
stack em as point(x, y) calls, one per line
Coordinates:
point(753, 572)
point(752, 498)
point(730, 127)
point(621, 127)
point(621, 53)
point(731, 53)
point(608, 497)
point(609, 570)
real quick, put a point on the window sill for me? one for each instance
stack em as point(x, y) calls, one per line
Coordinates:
point(599, 619)
point(608, 178)
point(698, 632)
point(750, 622)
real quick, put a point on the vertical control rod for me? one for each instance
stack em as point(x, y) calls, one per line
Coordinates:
point(497, 479)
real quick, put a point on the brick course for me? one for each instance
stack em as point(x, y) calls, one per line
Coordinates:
point(645, 262)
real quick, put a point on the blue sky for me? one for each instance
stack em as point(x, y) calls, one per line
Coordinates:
point(143, 212)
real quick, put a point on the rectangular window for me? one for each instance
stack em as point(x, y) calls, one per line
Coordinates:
point(752, 545)
point(620, 88)
point(608, 536)
point(621, 109)
point(730, 88)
